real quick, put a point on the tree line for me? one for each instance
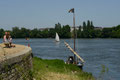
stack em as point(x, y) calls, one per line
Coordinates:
point(87, 30)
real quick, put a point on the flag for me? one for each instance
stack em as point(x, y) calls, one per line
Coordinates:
point(71, 10)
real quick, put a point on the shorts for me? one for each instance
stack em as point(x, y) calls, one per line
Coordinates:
point(6, 42)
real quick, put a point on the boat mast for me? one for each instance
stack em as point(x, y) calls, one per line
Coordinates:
point(74, 35)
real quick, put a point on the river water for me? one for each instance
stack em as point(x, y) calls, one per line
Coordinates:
point(102, 56)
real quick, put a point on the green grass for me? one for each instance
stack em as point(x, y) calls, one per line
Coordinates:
point(44, 69)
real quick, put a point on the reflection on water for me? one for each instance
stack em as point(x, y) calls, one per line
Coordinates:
point(57, 43)
point(95, 52)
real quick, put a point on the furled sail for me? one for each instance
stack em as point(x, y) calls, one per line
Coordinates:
point(68, 46)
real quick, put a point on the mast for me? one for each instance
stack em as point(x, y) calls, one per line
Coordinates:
point(76, 56)
point(74, 35)
point(72, 11)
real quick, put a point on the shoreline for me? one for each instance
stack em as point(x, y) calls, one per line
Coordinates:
point(56, 69)
point(66, 38)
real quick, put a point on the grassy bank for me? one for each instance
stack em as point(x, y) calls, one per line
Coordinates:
point(57, 70)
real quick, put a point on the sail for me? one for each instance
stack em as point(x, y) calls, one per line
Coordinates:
point(57, 38)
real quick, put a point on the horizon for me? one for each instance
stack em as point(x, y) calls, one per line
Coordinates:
point(51, 27)
point(45, 14)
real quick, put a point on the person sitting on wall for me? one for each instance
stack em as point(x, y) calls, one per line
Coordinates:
point(8, 40)
point(5, 39)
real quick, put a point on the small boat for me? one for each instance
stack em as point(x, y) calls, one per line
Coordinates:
point(57, 37)
point(72, 59)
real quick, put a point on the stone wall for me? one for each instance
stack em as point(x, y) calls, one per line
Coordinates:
point(17, 66)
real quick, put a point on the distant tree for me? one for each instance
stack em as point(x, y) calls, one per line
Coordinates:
point(52, 32)
point(80, 27)
point(115, 32)
point(84, 26)
point(45, 33)
point(39, 33)
point(85, 30)
point(88, 24)
point(66, 32)
point(106, 32)
point(57, 26)
point(97, 33)
point(16, 33)
point(25, 32)
point(34, 33)
point(79, 32)
point(1, 33)
point(91, 25)
point(58, 29)
point(88, 30)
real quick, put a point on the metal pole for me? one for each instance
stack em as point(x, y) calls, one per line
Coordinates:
point(74, 34)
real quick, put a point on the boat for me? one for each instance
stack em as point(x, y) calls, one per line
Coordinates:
point(76, 59)
point(72, 60)
point(57, 37)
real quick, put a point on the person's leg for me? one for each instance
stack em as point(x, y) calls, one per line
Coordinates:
point(10, 44)
point(6, 45)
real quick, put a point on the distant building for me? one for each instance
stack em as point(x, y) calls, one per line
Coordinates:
point(42, 29)
point(77, 28)
point(72, 28)
point(98, 28)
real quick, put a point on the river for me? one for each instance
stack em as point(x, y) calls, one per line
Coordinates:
point(102, 56)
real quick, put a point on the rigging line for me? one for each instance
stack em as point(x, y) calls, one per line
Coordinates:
point(71, 39)
point(76, 43)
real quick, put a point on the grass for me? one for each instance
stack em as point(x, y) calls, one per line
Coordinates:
point(44, 69)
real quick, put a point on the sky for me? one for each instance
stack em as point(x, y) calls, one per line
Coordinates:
point(46, 13)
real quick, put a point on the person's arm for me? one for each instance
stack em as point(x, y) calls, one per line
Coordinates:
point(10, 39)
point(4, 38)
